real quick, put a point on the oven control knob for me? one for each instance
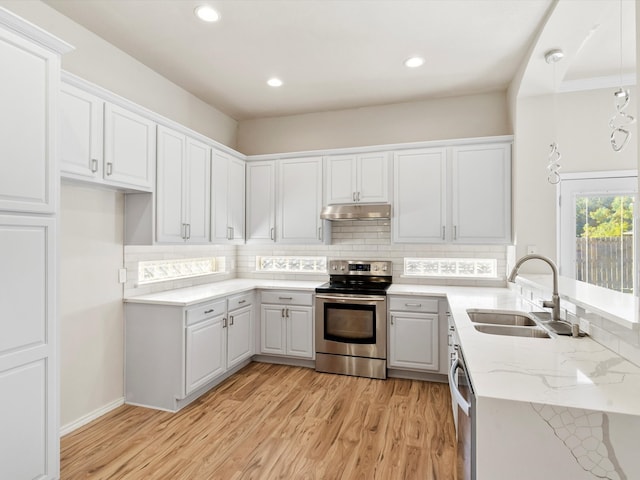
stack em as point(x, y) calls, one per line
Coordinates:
point(334, 267)
point(375, 268)
point(384, 268)
point(342, 268)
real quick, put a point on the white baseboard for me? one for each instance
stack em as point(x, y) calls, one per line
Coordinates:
point(91, 416)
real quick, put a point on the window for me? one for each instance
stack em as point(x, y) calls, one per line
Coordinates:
point(597, 244)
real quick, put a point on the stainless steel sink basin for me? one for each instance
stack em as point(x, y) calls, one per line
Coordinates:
point(501, 317)
point(512, 331)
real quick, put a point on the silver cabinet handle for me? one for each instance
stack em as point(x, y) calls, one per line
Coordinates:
point(183, 233)
point(455, 232)
point(241, 302)
point(94, 165)
point(391, 319)
point(443, 232)
point(231, 320)
point(224, 323)
point(188, 231)
point(211, 310)
point(412, 304)
point(353, 196)
point(358, 197)
point(286, 312)
point(272, 233)
point(109, 168)
point(282, 313)
point(319, 233)
point(285, 298)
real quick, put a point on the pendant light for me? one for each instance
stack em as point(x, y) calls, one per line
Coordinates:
point(620, 120)
point(553, 160)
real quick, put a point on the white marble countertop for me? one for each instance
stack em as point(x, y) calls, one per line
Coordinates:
point(563, 371)
point(184, 297)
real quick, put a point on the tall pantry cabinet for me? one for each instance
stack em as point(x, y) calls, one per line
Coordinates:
point(29, 83)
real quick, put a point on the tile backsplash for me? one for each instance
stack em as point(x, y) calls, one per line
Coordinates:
point(358, 239)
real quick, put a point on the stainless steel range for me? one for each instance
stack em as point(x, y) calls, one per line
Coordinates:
point(351, 318)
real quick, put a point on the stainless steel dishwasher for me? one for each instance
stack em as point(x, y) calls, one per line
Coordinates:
point(464, 404)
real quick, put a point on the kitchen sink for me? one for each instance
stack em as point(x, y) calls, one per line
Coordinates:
point(501, 317)
point(512, 331)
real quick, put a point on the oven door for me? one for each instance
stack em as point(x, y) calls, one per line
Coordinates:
point(353, 325)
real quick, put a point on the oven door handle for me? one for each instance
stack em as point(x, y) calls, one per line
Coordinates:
point(351, 299)
point(453, 387)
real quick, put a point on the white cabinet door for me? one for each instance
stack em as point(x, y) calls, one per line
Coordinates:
point(272, 330)
point(169, 191)
point(236, 199)
point(205, 352)
point(413, 341)
point(300, 201)
point(299, 331)
point(28, 93)
point(29, 438)
point(481, 187)
point(129, 148)
point(261, 202)
point(341, 179)
point(373, 178)
point(197, 194)
point(420, 196)
point(228, 193)
point(239, 336)
point(80, 132)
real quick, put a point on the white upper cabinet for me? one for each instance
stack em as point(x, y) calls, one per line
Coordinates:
point(261, 202)
point(284, 200)
point(28, 93)
point(458, 194)
point(360, 178)
point(81, 129)
point(129, 149)
point(228, 186)
point(299, 200)
point(481, 188)
point(419, 201)
point(183, 189)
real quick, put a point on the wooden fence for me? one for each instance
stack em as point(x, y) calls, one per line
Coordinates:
point(606, 262)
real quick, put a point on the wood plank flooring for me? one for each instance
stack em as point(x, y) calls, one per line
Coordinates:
point(276, 422)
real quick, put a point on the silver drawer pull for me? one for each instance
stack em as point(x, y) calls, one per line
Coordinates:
point(209, 311)
point(241, 302)
point(94, 165)
point(285, 298)
point(412, 304)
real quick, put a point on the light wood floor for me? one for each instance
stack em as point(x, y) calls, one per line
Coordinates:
point(276, 422)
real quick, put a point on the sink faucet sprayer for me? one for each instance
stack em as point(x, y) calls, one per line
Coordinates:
point(554, 303)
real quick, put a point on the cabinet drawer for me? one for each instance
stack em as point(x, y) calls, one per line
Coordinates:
point(413, 304)
point(239, 301)
point(288, 298)
point(206, 310)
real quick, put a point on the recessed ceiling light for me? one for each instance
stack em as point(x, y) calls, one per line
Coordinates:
point(207, 14)
point(274, 82)
point(414, 62)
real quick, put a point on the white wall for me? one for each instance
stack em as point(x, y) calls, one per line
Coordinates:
point(579, 122)
point(100, 62)
point(438, 119)
point(91, 312)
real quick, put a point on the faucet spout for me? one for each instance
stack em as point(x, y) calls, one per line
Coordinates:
point(554, 303)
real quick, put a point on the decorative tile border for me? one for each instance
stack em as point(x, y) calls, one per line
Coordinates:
point(292, 264)
point(451, 267)
point(163, 270)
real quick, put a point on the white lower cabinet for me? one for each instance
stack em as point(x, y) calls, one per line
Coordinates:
point(286, 324)
point(171, 352)
point(205, 352)
point(415, 334)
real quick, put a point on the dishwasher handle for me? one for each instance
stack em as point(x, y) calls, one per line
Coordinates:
point(453, 387)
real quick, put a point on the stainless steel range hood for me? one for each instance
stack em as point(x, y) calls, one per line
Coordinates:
point(357, 211)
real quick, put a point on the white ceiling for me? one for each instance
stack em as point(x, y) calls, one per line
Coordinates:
point(334, 54)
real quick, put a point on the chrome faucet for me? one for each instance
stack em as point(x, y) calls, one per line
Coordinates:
point(554, 303)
